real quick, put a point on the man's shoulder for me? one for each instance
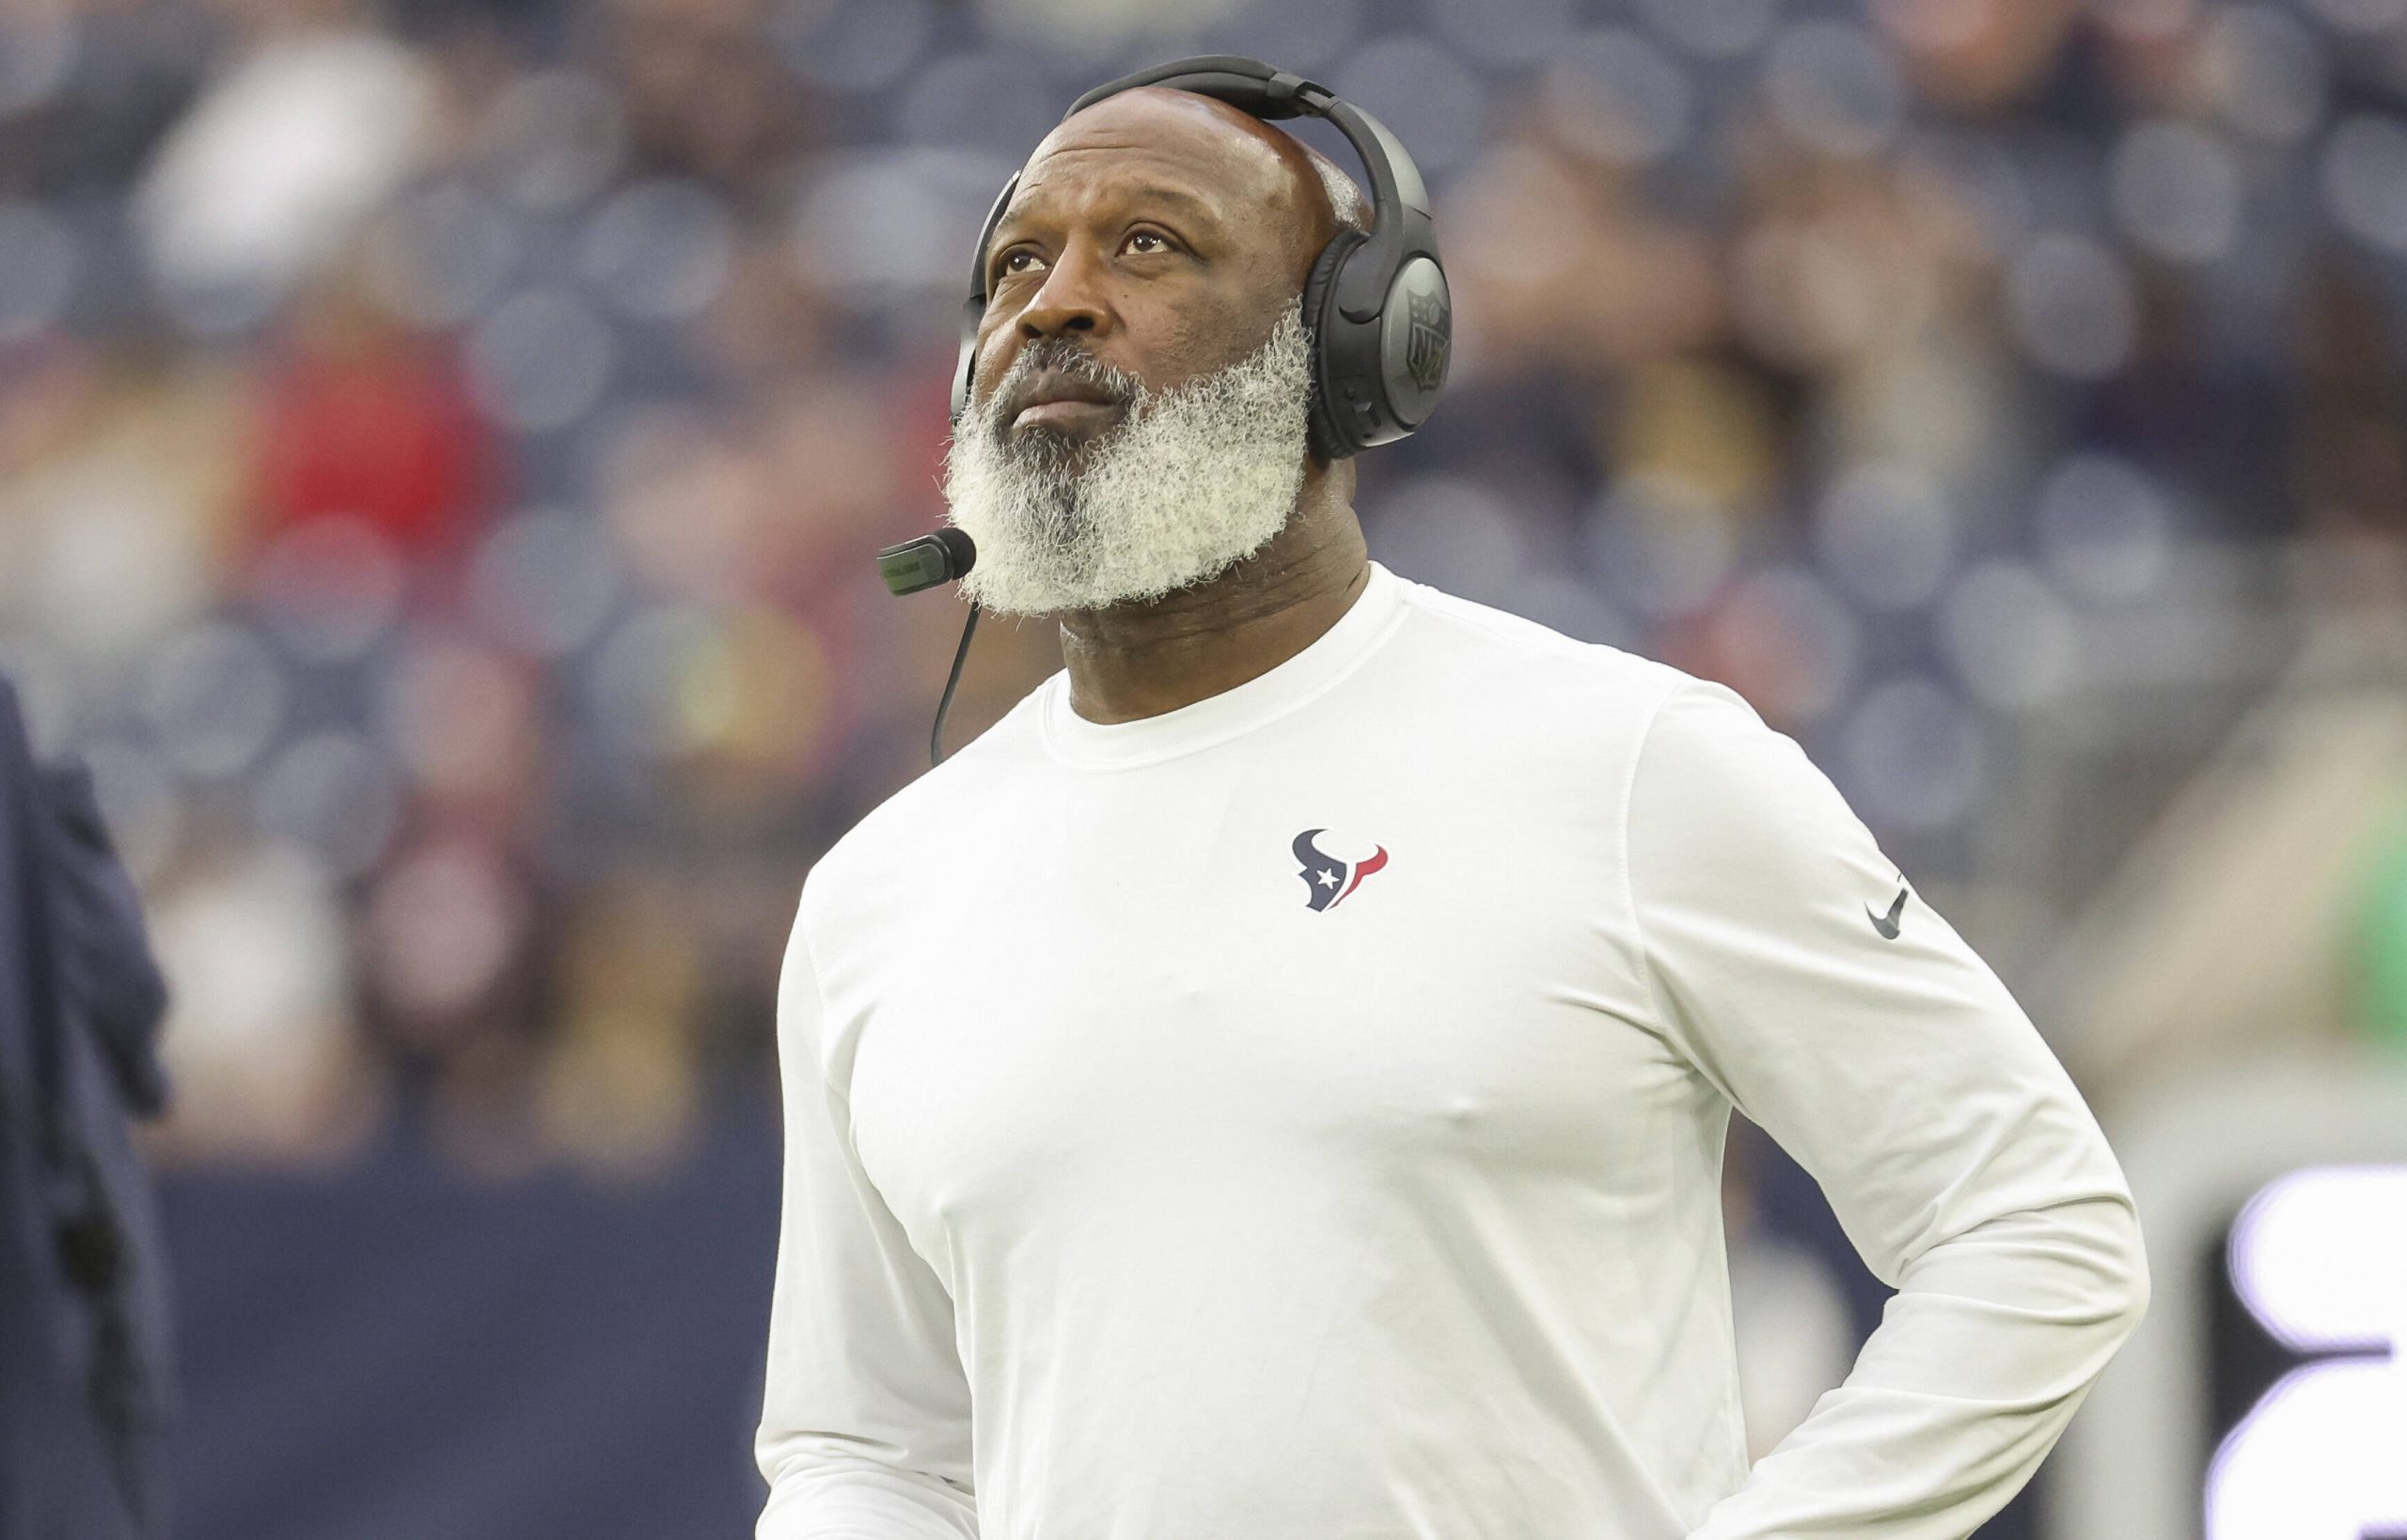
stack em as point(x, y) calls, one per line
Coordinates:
point(1711, 770)
point(1477, 634)
point(920, 822)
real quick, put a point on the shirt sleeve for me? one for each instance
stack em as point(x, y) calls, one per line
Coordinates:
point(865, 1428)
point(1864, 1035)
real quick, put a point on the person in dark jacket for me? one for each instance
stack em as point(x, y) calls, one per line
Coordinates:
point(86, 1379)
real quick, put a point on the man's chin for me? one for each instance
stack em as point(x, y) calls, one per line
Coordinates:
point(1058, 446)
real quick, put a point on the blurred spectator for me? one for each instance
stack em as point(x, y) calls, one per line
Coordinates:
point(360, 420)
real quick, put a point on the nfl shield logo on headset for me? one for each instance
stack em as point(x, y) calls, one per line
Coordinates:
point(1424, 353)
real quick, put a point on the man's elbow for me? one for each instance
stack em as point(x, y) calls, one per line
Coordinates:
point(828, 1483)
point(2080, 1265)
point(2125, 1271)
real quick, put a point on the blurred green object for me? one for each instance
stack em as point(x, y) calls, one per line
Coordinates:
point(2382, 937)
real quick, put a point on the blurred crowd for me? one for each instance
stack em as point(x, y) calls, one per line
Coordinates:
point(441, 445)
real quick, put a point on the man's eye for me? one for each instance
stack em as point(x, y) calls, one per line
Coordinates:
point(1016, 262)
point(1145, 242)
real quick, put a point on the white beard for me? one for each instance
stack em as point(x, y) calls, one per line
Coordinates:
point(1189, 482)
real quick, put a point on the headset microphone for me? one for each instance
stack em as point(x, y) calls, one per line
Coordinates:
point(923, 563)
point(942, 557)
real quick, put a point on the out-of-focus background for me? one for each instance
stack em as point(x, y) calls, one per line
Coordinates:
point(441, 443)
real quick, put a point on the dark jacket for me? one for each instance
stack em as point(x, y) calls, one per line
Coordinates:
point(84, 1344)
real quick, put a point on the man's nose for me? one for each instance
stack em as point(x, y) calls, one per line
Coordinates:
point(1071, 299)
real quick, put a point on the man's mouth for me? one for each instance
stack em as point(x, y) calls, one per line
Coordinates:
point(1063, 402)
point(1068, 416)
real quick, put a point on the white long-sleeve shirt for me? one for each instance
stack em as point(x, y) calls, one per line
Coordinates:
point(1300, 1116)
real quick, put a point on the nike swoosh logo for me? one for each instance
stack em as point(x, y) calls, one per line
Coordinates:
point(1887, 924)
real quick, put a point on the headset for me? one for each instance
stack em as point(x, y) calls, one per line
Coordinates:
point(1376, 305)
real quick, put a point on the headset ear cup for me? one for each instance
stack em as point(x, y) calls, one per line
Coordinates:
point(1329, 441)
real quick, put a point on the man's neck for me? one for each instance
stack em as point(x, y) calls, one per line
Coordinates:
point(1134, 661)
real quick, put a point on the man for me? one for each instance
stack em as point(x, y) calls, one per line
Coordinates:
point(1272, 1085)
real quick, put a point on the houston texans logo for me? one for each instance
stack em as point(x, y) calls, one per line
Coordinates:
point(1331, 879)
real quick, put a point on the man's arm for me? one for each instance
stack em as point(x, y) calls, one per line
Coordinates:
point(865, 1433)
point(1865, 1036)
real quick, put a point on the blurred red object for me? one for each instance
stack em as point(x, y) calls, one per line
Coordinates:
point(363, 419)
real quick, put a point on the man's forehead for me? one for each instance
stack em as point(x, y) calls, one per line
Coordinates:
point(1176, 139)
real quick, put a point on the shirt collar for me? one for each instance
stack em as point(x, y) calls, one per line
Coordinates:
point(1118, 745)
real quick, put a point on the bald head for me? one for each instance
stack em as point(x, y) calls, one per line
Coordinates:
point(1341, 202)
point(1256, 176)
